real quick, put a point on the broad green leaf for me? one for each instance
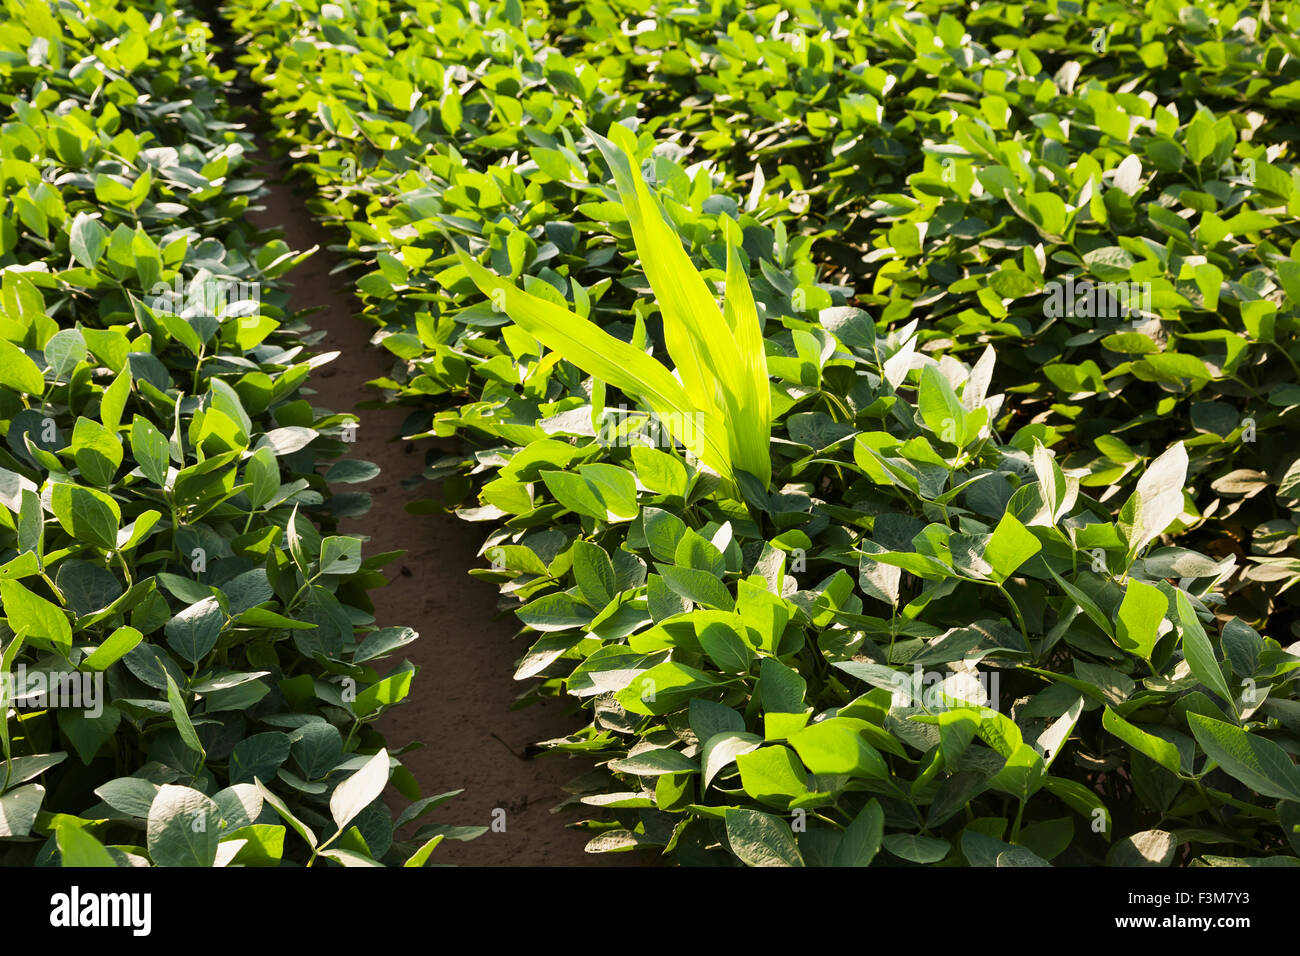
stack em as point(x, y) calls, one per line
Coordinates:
point(1198, 650)
point(1082, 800)
point(86, 239)
point(1020, 856)
point(916, 848)
point(653, 763)
point(555, 612)
point(113, 403)
point(1148, 848)
point(87, 514)
point(659, 471)
point(722, 637)
point(1059, 493)
point(760, 839)
point(64, 351)
point(149, 446)
point(89, 734)
point(131, 795)
point(861, 840)
point(781, 689)
point(1158, 499)
point(79, 849)
point(183, 828)
point(1010, 546)
point(1257, 762)
point(193, 632)
point(835, 746)
point(240, 805)
point(663, 687)
point(18, 372)
point(610, 501)
point(261, 844)
point(18, 810)
point(940, 407)
point(421, 856)
point(721, 750)
point(340, 554)
point(263, 472)
point(1086, 603)
point(1157, 748)
point(359, 790)
point(384, 693)
point(1052, 740)
point(772, 775)
point(594, 573)
point(96, 450)
point(258, 756)
point(1138, 620)
point(1022, 774)
point(698, 586)
point(36, 616)
point(709, 718)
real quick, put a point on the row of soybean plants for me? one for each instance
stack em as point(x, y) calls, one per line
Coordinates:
point(824, 589)
point(189, 665)
point(1112, 200)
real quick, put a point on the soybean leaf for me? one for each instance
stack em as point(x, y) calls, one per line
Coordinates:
point(760, 839)
point(359, 790)
point(1257, 762)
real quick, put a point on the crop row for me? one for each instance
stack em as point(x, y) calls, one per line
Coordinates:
point(190, 664)
point(1129, 252)
point(777, 646)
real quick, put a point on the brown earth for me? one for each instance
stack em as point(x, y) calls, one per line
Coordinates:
point(461, 698)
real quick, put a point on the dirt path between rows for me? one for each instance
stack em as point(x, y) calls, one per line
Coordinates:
point(460, 701)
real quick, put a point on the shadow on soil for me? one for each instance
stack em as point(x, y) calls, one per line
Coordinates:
point(461, 698)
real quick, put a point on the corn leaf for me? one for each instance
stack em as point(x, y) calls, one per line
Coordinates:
point(598, 353)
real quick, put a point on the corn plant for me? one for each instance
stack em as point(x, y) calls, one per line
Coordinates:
point(716, 403)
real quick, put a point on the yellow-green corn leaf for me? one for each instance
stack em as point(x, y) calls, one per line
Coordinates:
point(684, 297)
point(753, 412)
point(598, 353)
point(720, 359)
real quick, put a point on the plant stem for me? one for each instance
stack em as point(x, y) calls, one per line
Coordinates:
point(126, 569)
point(57, 593)
point(1024, 632)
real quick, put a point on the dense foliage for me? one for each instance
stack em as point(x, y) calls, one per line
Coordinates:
point(973, 486)
point(878, 415)
point(168, 487)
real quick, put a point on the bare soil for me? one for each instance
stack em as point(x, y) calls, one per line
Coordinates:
point(461, 697)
